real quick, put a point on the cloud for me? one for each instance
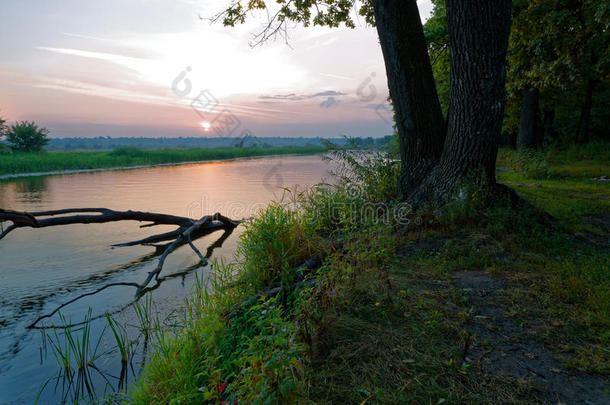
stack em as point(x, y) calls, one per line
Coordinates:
point(300, 97)
point(329, 93)
point(329, 102)
point(290, 97)
point(127, 61)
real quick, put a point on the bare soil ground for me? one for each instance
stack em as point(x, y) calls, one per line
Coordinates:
point(505, 346)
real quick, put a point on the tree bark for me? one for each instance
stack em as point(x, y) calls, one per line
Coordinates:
point(585, 113)
point(529, 114)
point(478, 35)
point(419, 118)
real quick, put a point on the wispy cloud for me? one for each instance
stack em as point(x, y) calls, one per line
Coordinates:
point(301, 97)
point(332, 76)
point(135, 64)
point(141, 95)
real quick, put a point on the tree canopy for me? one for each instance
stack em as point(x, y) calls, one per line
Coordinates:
point(559, 47)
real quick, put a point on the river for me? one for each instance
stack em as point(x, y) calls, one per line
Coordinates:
point(42, 268)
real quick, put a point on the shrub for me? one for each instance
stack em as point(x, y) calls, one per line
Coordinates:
point(365, 193)
point(2, 127)
point(127, 151)
point(374, 174)
point(5, 149)
point(26, 136)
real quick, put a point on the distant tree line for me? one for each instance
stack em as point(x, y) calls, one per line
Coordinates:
point(28, 137)
point(109, 143)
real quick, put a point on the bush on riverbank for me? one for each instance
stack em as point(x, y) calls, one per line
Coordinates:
point(385, 319)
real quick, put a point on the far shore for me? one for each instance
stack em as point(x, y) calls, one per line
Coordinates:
point(56, 163)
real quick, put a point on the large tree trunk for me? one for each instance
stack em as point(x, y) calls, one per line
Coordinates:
point(419, 118)
point(585, 113)
point(529, 114)
point(478, 35)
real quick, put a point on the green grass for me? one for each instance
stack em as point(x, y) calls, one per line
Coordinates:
point(572, 161)
point(383, 322)
point(563, 182)
point(19, 162)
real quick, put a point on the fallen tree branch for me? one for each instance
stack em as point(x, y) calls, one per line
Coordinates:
point(187, 228)
point(43, 219)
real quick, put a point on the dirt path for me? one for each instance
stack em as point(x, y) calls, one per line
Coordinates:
point(501, 345)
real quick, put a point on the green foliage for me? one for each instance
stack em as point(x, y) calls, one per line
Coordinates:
point(235, 346)
point(558, 47)
point(230, 348)
point(373, 174)
point(559, 44)
point(365, 192)
point(329, 13)
point(555, 46)
point(272, 245)
point(76, 353)
point(25, 136)
point(268, 357)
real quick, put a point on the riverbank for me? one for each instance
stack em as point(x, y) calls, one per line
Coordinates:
point(457, 304)
point(16, 164)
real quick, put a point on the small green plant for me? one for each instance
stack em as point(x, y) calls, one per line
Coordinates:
point(126, 349)
point(75, 353)
point(144, 314)
point(26, 136)
point(124, 344)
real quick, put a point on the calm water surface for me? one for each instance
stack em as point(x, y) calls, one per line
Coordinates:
point(41, 269)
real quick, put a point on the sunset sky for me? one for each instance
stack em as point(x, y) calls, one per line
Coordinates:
point(113, 68)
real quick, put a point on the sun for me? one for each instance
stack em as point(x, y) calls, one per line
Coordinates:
point(205, 125)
